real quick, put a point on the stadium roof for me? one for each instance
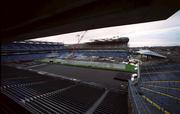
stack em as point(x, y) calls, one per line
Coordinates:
point(150, 53)
point(39, 42)
point(28, 19)
point(123, 40)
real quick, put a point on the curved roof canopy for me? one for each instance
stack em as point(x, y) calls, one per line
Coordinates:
point(150, 53)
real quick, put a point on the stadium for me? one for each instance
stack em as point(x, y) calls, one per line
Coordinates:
point(102, 76)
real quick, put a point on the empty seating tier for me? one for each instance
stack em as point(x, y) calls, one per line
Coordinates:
point(114, 103)
point(45, 94)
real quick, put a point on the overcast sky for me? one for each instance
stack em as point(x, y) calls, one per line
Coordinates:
point(157, 33)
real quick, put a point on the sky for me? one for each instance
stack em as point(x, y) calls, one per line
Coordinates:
point(157, 33)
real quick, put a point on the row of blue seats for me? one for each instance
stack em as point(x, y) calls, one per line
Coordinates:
point(114, 103)
point(160, 76)
point(53, 95)
point(27, 57)
point(99, 53)
point(165, 90)
point(159, 85)
point(106, 54)
point(166, 102)
point(167, 99)
point(46, 94)
point(173, 84)
point(138, 104)
point(160, 68)
point(30, 47)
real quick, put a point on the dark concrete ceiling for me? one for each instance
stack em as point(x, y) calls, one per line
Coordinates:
point(27, 19)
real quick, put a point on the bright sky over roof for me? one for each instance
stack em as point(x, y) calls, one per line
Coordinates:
point(157, 33)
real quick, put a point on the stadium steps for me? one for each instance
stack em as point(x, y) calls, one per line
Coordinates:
point(160, 68)
point(44, 94)
point(97, 103)
point(167, 90)
point(48, 97)
point(140, 106)
point(75, 100)
point(22, 82)
point(21, 91)
point(161, 76)
point(165, 101)
point(160, 87)
point(151, 104)
point(162, 81)
point(114, 103)
point(51, 85)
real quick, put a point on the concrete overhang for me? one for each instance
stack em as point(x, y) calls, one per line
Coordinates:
point(27, 19)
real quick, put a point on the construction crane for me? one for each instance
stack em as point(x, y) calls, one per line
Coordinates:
point(80, 37)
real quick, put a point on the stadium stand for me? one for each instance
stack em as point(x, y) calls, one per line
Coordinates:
point(46, 18)
point(46, 94)
point(159, 86)
point(112, 43)
point(156, 92)
point(104, 53)
point(32, 45)
point(114, 103)
point(28, 50)
point(31, 50)
point(24, 57)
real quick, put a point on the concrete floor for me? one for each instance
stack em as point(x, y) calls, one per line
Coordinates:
point(102, 77)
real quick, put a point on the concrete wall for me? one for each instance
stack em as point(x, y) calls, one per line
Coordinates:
point(112, 66)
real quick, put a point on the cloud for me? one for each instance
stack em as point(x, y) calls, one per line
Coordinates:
point(162, 37)
point(155, 33)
